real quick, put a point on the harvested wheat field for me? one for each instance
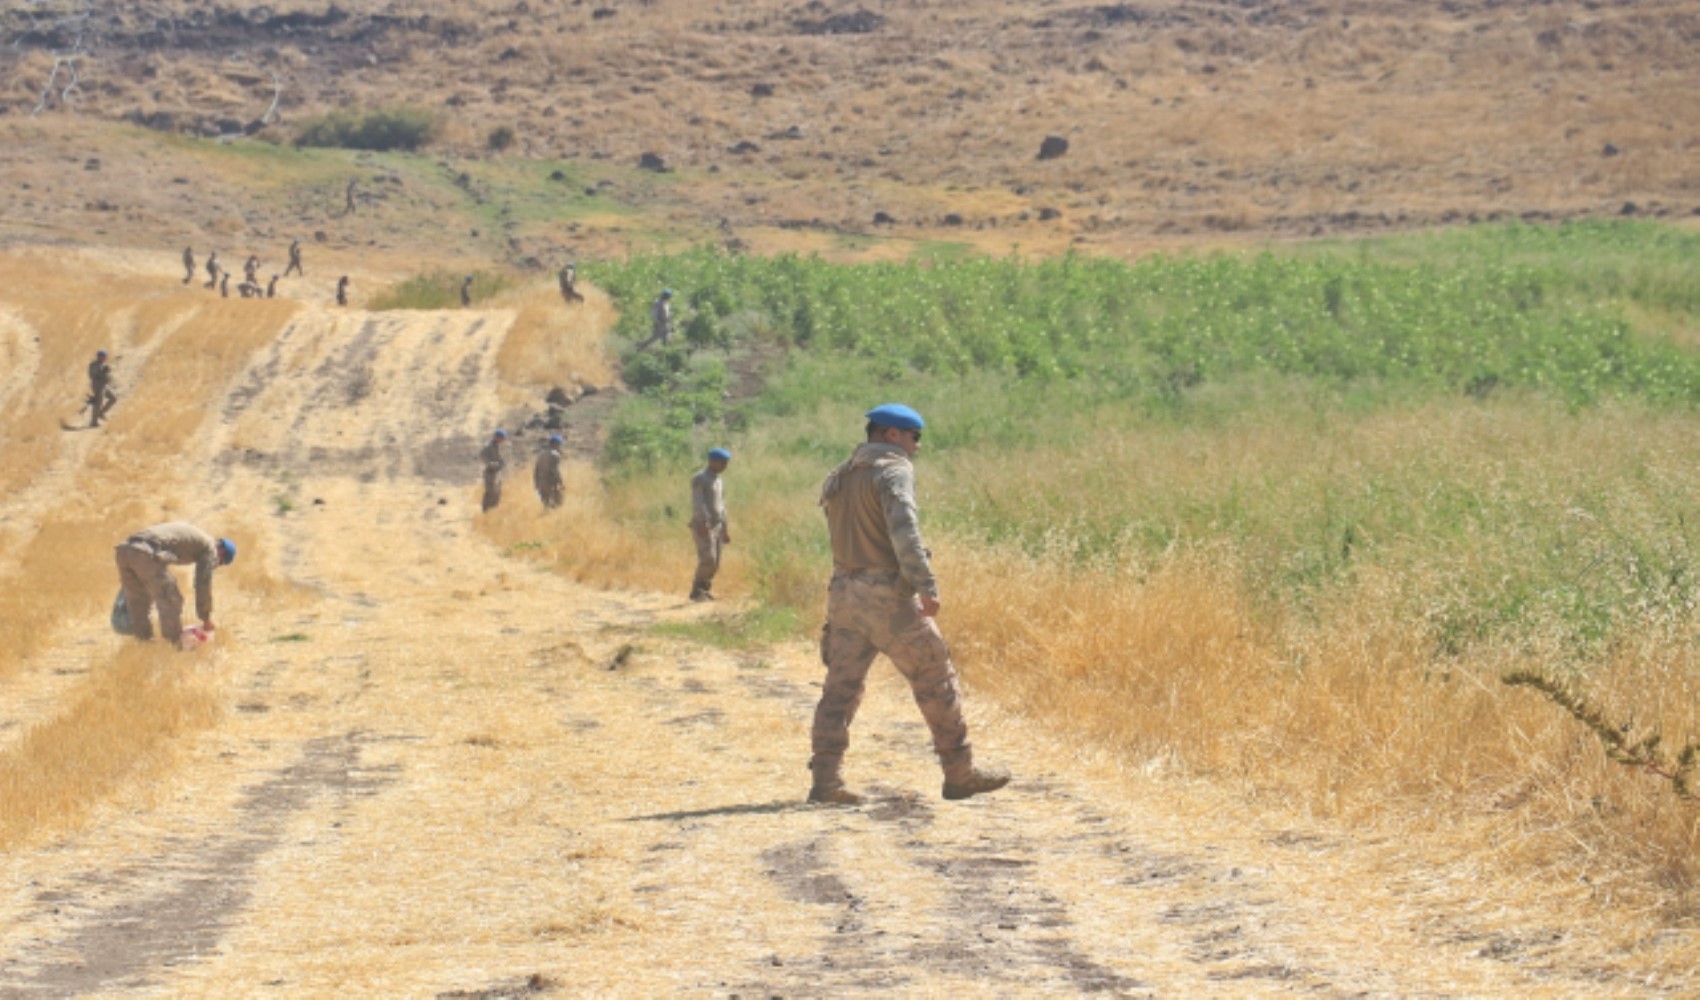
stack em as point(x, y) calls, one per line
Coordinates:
point(414, 763)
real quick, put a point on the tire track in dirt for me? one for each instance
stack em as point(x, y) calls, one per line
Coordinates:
point(177, 905)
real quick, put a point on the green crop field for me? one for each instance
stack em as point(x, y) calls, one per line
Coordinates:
point(1056, 387)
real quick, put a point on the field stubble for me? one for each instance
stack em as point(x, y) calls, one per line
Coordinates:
point(126, 716)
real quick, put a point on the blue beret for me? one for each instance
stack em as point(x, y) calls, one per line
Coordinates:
point(720, 453)
point(226, 551)
point(557, 439)
point(896, 415)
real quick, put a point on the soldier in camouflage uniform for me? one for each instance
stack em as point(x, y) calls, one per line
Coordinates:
point(143, 570)
point(708, 522)
point(342, 290)
point(188, 264)
point(294, 260)
point(494, 462)
point(101, 396)
point(546, 474)
point(882, 599)
point(212, 269)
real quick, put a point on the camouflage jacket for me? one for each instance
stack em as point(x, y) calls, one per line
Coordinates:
point(871, 514)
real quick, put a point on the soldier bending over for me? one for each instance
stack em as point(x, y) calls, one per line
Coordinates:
point(143, 571)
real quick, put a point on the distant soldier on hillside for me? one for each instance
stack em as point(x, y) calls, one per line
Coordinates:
point(250, 268)
point(342, 290)
point(569, 284)
point(882, 599)
point(466, 292)
point(101, 395)
point(144, 561)
point(271, 288)
point(494, 462)
point(188, 264)
point(708, 522)
point(224, 284)
point(546, 475)
point(294, 260)
point(660, 320)
point(348, 196)
point(212, 269)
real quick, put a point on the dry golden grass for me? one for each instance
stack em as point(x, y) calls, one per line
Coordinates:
point(1354, 721)
point(582, 539)
point(121, 725)
point(551, 343)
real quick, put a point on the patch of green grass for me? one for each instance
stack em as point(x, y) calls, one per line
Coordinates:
point(752, 630)
point(291, 637)
point(518, 548)
point(440, 290)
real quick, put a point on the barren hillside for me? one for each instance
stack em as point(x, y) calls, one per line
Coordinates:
point(813, 124)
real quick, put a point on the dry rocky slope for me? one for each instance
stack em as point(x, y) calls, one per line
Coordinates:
point(441, 770)
point(1185, 120)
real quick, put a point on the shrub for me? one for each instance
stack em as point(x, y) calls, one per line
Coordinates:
point(383, 130)
point(501, 137)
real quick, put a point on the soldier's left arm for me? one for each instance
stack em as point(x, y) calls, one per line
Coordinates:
point(902, 521)
point(204, 567)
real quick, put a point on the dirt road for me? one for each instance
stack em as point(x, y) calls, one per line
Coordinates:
point(443, 771)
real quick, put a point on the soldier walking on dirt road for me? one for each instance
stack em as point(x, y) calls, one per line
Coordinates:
point(660, 320)
point(883, 599)
point(143, 571)
point(342, 290)
point(466, 292)
point(546, 474)
point(101, 396)
point(708, 522)
point(251, 268)
point(188, 264)
point(294, 260)
point(271, 288)
point(212, 269)
point(494, 461)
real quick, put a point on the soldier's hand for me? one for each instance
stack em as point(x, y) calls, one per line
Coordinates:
point(929, 606)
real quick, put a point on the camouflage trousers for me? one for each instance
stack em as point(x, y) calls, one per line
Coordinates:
point(146, 582)
point(492, 488)
point(708, 557)
point(868, 614)
point(552, 495)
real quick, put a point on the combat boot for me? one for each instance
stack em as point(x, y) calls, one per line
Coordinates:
point(834, 795)
point(978, 781)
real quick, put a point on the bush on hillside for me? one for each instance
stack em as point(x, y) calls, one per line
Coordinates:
point(382, 130)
